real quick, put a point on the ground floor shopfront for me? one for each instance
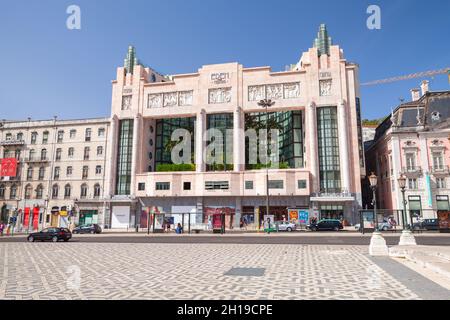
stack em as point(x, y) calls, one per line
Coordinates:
point(204, 212)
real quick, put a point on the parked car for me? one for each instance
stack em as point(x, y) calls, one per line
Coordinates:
point(326, 225)
point(384, 226)
point(426, 224)
point(286, 226)
point(88, 228)
point(51, 234)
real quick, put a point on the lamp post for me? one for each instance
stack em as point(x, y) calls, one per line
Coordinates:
point(373, 179)
point(402, 185)
point(266, 103)
point(407, 237)
point(377, 245)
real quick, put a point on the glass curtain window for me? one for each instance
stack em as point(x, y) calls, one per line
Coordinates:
point(328, 147)
point(124, 157)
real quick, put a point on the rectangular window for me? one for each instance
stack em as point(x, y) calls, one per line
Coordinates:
point(70, 152)
point(101, 132)
point(69, 171)
point(88, 133)
point(301, 184)
point(440, 183)
point(85, 172)
point(276, 184)
point(72, 133)
point(58, 154)
point(45, 137)
point(56, 174)
point(141, 186)
point(98, 170)
point(442, 203)
point(86, 153)
point(410, 162)
point(412, 184)
point(248, 185)
point(217, 185)
point(162, 186)
point(60, 136)
point(329, 162)
point(438, 161)
point(186, 185)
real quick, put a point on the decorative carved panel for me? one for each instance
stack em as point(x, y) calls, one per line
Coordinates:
point(155, 100)
point(220, 95)
point(256, 93)
point(185, 98)
point(274, 91)
point(325, 87)
point(170, 99)
point(126, 102)
point(291, 90)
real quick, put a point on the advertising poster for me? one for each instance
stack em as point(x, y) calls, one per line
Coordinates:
point(303, 216)
point(8, 167)
point(444, 221)
point(368, 220)
point(293, 215)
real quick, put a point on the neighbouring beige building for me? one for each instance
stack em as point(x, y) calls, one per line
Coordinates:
point(61, 171)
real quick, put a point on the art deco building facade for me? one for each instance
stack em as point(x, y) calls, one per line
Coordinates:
point(317, 109)
point(60, 174)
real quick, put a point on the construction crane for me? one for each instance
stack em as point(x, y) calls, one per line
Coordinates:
point(410, 76)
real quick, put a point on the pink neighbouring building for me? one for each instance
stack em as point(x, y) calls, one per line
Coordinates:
point(415, 142)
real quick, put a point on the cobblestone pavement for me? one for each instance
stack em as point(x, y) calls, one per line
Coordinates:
point(192, 271)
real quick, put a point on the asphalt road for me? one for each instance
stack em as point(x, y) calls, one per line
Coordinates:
point(322, 239)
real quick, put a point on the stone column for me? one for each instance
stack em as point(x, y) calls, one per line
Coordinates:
point(200, 129)
point(312, 150)
point(238, 213)
point(112, 145)
point(134, 157)
point(238, 143)
point(343, 147)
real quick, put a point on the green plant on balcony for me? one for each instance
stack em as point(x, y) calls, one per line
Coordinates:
point(171, 167)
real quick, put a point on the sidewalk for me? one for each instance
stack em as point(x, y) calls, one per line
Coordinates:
point(435, 259)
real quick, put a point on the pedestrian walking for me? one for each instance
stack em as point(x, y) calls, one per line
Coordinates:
point(267, 225)
point(2, 227)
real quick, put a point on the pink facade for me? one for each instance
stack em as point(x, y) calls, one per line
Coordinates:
point(414, 142)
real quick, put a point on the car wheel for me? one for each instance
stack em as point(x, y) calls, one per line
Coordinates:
point(336, 228)
point(92, 231)
point(384, 229)
point(55, 239)
point(289, 229)
point(30, 239)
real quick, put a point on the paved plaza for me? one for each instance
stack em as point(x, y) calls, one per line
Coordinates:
point(203, 271)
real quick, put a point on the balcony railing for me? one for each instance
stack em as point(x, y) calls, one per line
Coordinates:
point(440, 170)
point(12, 142)
point(36, 159)
point(411, 169)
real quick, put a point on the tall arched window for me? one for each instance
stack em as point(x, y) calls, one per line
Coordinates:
point(28, 190)
point(39, 191)
point(67, 191)
point(13, 192)
point(43, 154)
point(97, 191)
point(55, 191)
point(84, 190)
point(41, 173)
point(31, 156)
point(2, 191)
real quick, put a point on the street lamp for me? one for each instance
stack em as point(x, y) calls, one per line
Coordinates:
point(373, 180)
point(407, 238)
point(402, 185)
point(266, 103)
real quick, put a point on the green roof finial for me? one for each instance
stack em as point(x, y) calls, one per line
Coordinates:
point(323, 41)
point(131, 60)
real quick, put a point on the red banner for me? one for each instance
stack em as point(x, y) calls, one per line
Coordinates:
point(8, 167)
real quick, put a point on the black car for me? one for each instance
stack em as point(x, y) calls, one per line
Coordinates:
point(426, 224)
point(51, 234)
point(326, 225)
point(88, 228)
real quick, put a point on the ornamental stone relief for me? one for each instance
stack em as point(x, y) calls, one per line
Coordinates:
point(155, 100)
point(325, 87)
point(126, 102)
point(274, 91)
point(185, 98)
point(220, 95)
point(256, 93)
point(291, 90)
point(170, 99)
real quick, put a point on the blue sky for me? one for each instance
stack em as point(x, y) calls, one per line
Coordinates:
point(49, 70)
